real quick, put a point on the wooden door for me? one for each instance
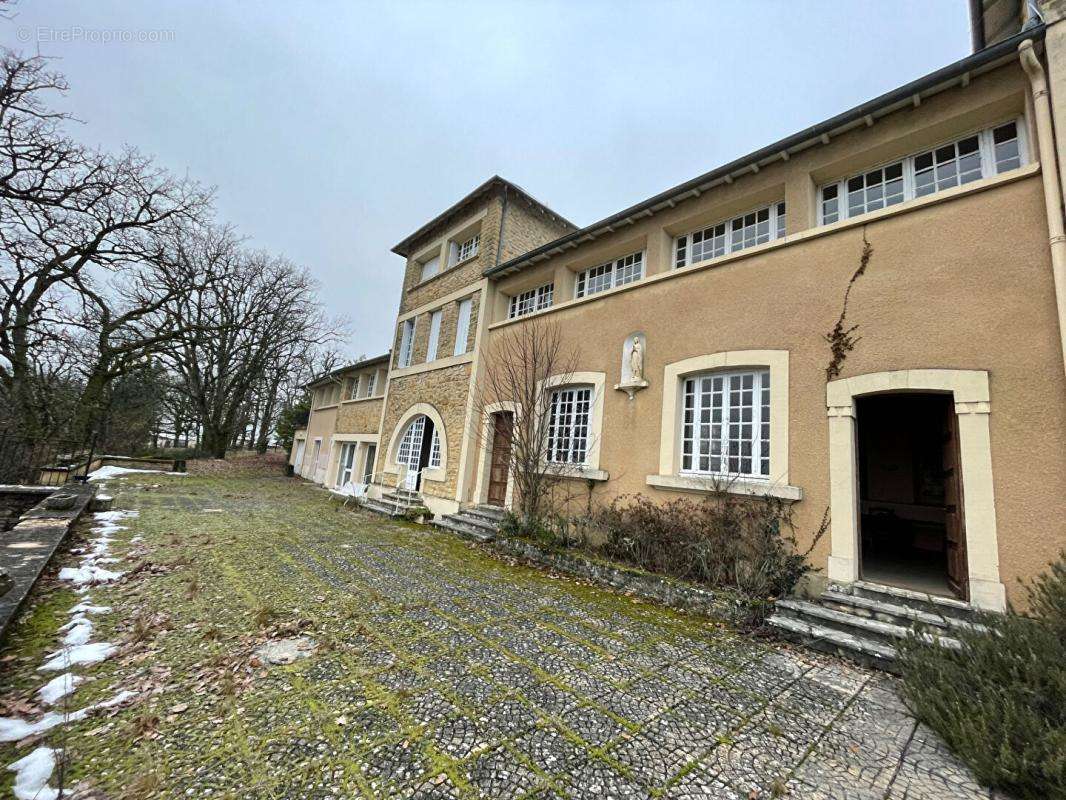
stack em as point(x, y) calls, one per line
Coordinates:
point(955, 524)
point(502, 429)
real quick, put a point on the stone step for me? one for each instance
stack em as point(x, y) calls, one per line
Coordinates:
point(894, 595)
point(496, 512)
point(894, 613)
point(864, 627)
point(474, 532)
point(466, 518)
point(383, 506)
point(405, 499)
point(865, 651)
point(494, 516)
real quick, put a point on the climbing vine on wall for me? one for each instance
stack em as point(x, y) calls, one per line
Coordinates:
point(842, 338)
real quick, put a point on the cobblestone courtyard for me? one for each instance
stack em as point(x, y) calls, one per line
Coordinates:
point(440, 672)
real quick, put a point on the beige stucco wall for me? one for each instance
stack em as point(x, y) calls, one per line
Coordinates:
point(961, 284)
point(990, 98)
point(322, 424)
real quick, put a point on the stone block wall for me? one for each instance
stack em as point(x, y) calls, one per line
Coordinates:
point(525, 229)
point(417, 293)
point(361, 416)
point(445, 390)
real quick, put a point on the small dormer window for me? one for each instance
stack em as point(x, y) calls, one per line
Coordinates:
point(468, 249)
point(430, 267)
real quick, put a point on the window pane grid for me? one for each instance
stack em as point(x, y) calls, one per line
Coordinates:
point(970, 158)
point(534, 300)
point(568, 425)
point(614, 273)
point(411, 444)
point(725, 429)
point(756, 227)
point(469, 248)
point(434, 450)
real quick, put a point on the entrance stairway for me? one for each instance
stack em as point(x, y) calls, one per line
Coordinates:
point(864, 621)
point(394, 502)
point(480, 523)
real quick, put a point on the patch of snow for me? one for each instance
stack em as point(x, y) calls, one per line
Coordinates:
point(103, 473)
point(86, 607)
point(113, 516)
point(59, 687)
point(81, 576)
point(136, 539)
point(12, 729)
point(78, 631)
point(92, 653)
point(32, 774)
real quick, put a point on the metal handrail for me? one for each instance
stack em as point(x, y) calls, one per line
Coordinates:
point(381, 479)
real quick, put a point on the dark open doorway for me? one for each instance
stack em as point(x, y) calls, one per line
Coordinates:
point(425, 449)
point(910, 493)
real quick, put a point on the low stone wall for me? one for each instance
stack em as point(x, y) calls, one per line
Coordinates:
point(17, 500)
point(240, 465)
point(720, 605)
point(26, 549)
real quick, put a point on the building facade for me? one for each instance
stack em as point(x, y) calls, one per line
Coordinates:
point(865, 319)
point(339, 444)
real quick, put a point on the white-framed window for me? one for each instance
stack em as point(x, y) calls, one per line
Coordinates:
point(410, 449)
point(346, 463)
point(462, 326)
point(614, 273)
point(987, 152)
point(469, 248)
point(411, 443)
point(371, 379)
point(533, 300)
point(434, 450)
point(351, 387)
point(407, 342)
point(569, 419)
point(430, 267)
point(726, 425)
point(728, 236)
point(434, 335)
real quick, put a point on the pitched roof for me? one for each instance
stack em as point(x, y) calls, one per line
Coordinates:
point(366, 362)
point(489, 187)
point(946, 77)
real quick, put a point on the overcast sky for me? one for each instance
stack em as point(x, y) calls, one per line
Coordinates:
point(334, 129)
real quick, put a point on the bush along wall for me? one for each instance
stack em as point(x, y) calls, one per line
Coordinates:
point(720, 605)
point(1000, 699)
point(724, 555)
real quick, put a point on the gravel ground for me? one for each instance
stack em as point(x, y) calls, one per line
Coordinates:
point(435, 671)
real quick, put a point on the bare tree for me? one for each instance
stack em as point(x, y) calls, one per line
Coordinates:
point(70, 219)
point(521, 367)
point(240, 323)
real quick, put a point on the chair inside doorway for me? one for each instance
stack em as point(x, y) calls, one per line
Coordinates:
point(910, 493)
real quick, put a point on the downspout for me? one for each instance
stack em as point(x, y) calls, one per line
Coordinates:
point(1049, 171)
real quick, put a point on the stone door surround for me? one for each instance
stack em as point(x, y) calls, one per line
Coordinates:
point(969, 389)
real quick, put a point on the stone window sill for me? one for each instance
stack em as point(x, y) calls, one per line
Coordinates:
point(577, 472)
point(741, 486)
point(443, 272)
point(362, 399)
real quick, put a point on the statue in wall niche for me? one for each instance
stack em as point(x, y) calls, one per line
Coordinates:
point(633, 365)
point(636, 361)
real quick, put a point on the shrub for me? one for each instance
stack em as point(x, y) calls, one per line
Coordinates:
point(1000, 700)
point(744, 544)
